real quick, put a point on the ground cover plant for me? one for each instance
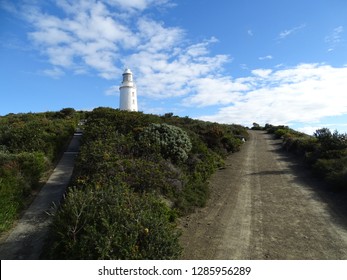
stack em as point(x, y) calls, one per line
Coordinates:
point(136, 173)
point(324, 152)
point(29, 146)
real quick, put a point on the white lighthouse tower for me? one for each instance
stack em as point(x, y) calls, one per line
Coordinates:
point(128, 94)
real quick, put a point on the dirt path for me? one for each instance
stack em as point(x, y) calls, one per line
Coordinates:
point(265, 205)
point(27, 238)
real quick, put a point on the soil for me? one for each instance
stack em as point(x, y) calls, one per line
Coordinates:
point(265, 204)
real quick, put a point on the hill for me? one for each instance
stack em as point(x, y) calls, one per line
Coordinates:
point(135, 174)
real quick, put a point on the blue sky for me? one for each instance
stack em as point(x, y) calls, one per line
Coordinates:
point(264, 61)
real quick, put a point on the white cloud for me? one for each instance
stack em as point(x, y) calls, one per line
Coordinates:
point(214, 91)
point(155, 37)
point(284, 34)
point(137, 4)
point(250, 32)
point(305, 93)
point(267, 57)
point(55, 72)
point(112, 91)
point(174, 69)
point(340, 127)
point(334, 38)
point(263, 73)
point(309, 129)
point(100, 37)
point(86, 36)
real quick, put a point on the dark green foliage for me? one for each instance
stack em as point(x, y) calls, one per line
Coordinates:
point(338, 178)
point(279, 133)
point(331, 141)
point(32, 166)
point(145, 161)
point(112, 222)
point(43, 132)
point(12, 189)
point(256, 126)
point(29, 143)
point(325, 152)
point(19, 174)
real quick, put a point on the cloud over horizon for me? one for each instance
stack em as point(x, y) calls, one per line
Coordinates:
point(304, 93)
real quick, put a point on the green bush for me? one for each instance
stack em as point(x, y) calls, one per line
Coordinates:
point(338, 179)
point(172, 141)
point(322, 167)
point(12, 189)
point(112, 222)
point(331, 141)
point(279, 133)
point(29, 143)
point(32, 166)
point(144, 176)
point(325, 152)
point(231, 143)
point(19, 173)
point(129, 163)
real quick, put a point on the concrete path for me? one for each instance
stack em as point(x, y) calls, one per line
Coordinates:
point(27, 238)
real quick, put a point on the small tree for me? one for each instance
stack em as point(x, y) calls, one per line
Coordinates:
point(331, 141)
point(256, 126)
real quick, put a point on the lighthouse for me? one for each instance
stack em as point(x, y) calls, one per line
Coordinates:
point(128, 94)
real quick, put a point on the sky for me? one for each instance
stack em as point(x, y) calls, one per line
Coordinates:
point(227, 61)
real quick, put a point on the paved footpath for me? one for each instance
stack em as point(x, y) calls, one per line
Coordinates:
point(27, 238)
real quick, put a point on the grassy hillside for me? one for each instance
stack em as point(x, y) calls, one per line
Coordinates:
point(136, 173)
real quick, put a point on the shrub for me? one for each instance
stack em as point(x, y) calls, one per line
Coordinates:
point(195, 194)
point(325, 166)
point(231, 143)
point(12, 188)
point(144, 176)
point(331, 141)
point(338, 179)
point(256, 126)
point(129, 163)
point(28, 144)
point(279, 133)
point(173, 142)
point(112, 222)
point(32, 166)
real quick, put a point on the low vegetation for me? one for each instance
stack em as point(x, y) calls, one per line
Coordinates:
point(136, 173)
point(29, 145)
point(325, 152)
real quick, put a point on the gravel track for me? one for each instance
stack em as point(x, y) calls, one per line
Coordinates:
point(266, 205)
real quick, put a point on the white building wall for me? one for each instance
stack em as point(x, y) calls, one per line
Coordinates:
point(128, 94)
